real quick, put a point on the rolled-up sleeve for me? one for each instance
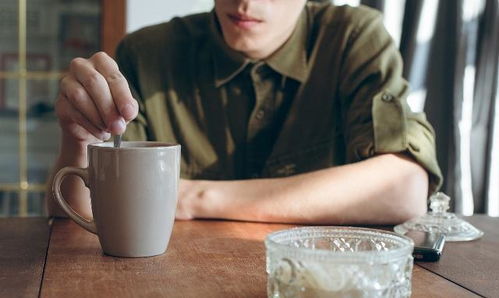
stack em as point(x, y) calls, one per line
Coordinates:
point(376, 116)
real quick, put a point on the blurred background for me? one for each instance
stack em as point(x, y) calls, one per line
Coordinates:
point(450, 50)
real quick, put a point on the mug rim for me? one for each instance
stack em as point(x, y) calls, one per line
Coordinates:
point(155, 145)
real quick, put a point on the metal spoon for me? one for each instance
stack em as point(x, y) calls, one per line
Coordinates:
point(117, 141)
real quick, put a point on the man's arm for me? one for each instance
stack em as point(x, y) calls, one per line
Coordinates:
point(385, 189)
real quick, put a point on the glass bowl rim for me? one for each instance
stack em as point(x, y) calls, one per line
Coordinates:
point(405, 249)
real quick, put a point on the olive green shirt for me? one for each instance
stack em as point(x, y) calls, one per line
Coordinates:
point(332, 94)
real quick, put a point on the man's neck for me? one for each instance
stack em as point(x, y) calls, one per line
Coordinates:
point(263, 53)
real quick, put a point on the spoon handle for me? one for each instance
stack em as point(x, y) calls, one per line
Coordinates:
point(117, 141)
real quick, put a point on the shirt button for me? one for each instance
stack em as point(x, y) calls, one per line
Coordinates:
point(387, 97)
point(237, 91)
point(259, 115)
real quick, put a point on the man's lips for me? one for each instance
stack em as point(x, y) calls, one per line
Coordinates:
point(243, 21)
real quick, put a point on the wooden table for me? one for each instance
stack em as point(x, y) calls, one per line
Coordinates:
point(205, 259)
point(23, 248)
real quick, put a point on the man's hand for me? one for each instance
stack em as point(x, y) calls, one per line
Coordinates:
point(191, 197)
point(186, 195)
point(94, 100)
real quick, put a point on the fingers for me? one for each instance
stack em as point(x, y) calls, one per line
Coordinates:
point(97, 96)
point(96, 86)
point(75, 123)
point(118, 86)
point(78, 97)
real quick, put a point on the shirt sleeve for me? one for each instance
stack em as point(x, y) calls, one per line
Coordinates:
point(136, 130)
point(376, 116)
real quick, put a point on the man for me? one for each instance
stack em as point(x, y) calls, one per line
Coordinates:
point(286, 111)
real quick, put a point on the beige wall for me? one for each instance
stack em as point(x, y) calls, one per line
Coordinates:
point(141, 13)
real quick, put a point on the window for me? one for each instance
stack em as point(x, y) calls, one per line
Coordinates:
point(39, 38)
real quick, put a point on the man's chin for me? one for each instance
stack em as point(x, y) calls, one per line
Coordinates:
point(247, 48)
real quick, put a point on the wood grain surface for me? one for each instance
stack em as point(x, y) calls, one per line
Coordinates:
point(23, 247)
point(205, 259)
point(427, 284)
point(474, 264)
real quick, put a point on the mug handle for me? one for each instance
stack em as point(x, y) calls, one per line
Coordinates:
point(88, 225)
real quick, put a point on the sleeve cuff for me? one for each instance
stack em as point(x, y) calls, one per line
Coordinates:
point(395, 129)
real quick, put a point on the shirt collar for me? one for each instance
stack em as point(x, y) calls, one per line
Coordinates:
point(227, 62)
point(289, 60)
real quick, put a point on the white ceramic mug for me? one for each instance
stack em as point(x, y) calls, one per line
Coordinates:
point(133, 192)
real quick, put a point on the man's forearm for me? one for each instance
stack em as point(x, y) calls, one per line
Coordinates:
point(385, 189)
